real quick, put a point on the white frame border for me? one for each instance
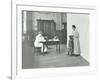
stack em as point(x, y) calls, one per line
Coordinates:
point(17, 72)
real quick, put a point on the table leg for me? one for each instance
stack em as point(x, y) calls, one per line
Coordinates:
point(59, 47)
point(43, 48)
point(56, 48)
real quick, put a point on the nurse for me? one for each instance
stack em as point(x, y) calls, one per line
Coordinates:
point(75, 34)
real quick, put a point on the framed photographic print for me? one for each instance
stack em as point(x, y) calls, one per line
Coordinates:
point(52, 39)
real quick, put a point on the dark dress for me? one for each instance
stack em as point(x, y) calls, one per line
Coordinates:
point(70, 46)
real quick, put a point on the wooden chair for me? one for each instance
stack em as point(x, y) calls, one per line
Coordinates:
point(37, 50)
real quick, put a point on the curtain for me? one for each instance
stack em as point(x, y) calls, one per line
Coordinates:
point(48, 27)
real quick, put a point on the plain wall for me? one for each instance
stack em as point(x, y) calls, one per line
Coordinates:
point(82, 23)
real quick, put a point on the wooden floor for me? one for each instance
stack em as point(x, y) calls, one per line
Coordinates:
point(50, 60)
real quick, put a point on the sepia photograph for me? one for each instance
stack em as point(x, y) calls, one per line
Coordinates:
point(55, 39)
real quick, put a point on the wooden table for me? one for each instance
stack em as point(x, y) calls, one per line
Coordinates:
point(47, 43)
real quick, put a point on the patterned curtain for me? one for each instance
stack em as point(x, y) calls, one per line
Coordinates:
point(48, 27)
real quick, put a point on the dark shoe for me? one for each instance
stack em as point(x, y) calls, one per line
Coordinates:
point(46, 52)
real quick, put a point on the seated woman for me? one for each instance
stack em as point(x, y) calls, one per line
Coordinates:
point(38, 43)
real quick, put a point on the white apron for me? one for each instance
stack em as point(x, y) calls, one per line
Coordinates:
point(76, 42)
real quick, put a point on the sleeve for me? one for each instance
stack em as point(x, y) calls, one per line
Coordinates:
point(76, 34)
point(42, 39)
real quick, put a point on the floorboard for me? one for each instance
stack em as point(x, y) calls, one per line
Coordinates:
point(50, 60)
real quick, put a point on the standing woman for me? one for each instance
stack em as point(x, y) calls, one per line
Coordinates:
point(75, 34)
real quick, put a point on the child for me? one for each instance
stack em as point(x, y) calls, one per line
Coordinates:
point(70, 45)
